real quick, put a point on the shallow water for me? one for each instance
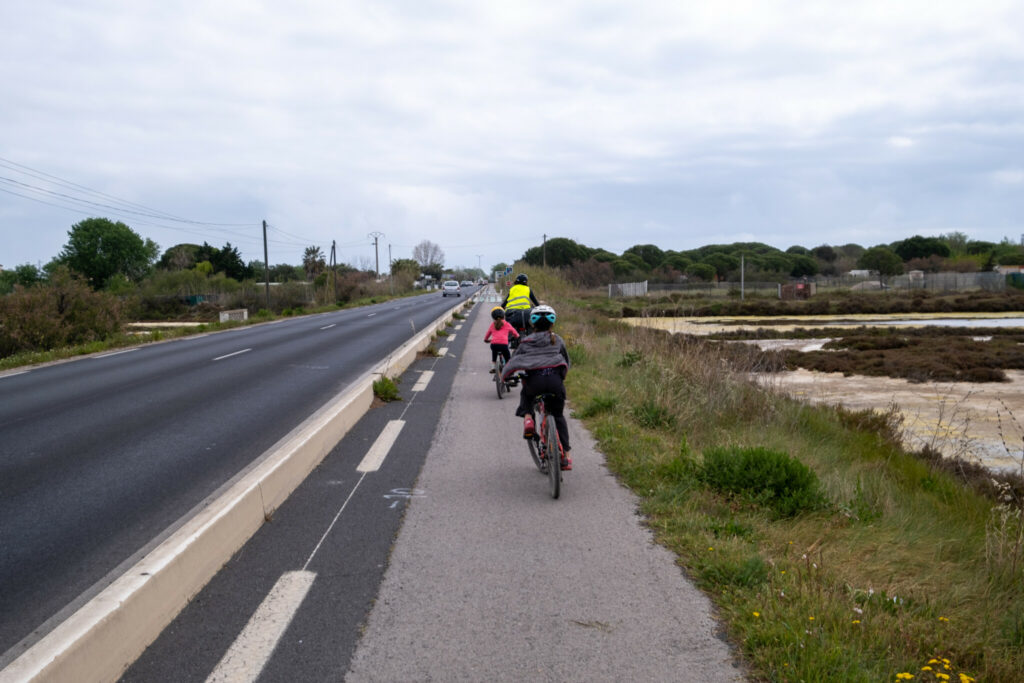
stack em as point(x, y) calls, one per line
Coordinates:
point(975, 421)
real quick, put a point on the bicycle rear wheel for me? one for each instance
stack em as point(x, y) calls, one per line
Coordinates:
point(535, 453)
point(553, 457)
point(499, 366)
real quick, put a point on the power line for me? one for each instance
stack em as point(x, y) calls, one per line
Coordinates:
point(155, 213)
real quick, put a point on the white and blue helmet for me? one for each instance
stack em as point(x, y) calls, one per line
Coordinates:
point(542, 313)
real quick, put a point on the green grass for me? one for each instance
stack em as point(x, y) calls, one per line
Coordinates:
point(896, 564)
point(386, 389)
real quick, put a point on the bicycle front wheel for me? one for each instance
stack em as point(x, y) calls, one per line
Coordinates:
point(499, 365)
point(554, 459)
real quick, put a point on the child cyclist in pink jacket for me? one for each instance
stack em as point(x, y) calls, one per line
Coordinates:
point(498, 334)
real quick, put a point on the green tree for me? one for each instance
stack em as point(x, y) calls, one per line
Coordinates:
point(921, 247)
point(557, 252)
point(825, 253)
point(229, 261)
point(313, 262)
point(701, 271)
point(650, 254)
point(803, 266)
point(405, 265)
point(883, 260)
point(99, 248)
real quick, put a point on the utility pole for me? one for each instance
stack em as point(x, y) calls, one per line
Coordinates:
point(334, 270)
point(478, 257)
point(544, 251)
point(266, 265)
point(376, 235)
point(391, 266)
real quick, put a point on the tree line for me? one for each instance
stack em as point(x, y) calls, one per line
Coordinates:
point(589, 266)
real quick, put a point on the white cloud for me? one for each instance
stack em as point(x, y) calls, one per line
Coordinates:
point(582, 116)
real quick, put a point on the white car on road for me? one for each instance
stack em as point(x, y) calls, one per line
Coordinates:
point(451, 287)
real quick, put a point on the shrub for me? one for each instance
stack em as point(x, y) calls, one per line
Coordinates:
point(386, 389)
point(63, 312)
point(763, 476)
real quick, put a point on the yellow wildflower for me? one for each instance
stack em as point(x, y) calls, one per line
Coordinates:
point(944, 619)
point(904, 676)
point(756, 614)
point(856, 621)
point(944, 677)
point(810, 618)
point(926, 668)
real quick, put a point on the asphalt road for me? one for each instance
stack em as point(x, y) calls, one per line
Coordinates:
point(103, 456)
point(491, 579)
point(336, 530)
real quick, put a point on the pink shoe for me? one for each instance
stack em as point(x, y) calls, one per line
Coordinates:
point(566, 463)
point(528, 427)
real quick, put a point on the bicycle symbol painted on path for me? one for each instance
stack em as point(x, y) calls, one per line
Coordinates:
point(403, 493)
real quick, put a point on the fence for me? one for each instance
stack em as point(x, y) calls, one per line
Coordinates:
point(628, 289)
point(934, 282)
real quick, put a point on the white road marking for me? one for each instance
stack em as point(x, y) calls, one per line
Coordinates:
point(327, 327)
point(232, 354)
point(115, 353)
point(451, 337)
point(370, 315)
point(423, 381)
point(25, 372)
point(442, 351)
point(459, 326)
point(374, 457)
point(245, 659)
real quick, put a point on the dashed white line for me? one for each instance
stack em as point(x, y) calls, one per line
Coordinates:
point(459, 326)
point(374, 457)
point(245, 659)
point(451, 337)
point(423, 381)
point(327, 327)
point(442, 351)
point(115, 353)
point(232, 354)
point(370, 315)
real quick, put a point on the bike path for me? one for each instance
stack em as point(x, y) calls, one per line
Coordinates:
point(491, 579)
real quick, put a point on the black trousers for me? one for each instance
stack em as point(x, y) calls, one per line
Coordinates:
point(519, 318)
point(502, 349)
point(555, 404)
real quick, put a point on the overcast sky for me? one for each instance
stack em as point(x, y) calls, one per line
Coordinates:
point(483, 126)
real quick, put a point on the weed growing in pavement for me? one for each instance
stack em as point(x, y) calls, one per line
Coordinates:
point(386, 389)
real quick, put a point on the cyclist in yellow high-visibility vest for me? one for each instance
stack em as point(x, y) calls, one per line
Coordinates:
point(518, 302)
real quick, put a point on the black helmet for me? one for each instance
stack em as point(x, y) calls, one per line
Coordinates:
point(521, 279)
point(498, 313)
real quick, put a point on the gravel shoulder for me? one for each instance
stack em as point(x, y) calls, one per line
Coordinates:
point(491, 579)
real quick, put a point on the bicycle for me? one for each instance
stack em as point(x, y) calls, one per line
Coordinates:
point(499, 367)
point(545, 446)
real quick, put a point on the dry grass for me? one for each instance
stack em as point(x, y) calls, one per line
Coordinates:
point(906, 565)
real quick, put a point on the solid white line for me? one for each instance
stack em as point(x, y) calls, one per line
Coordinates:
point(374, 457)
point(328, 326)
point(22, 372)
point(245, 659)
point(442, 351)
point(115, 353)
point(333, 522)
point(423, 381)
point(232, 354)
